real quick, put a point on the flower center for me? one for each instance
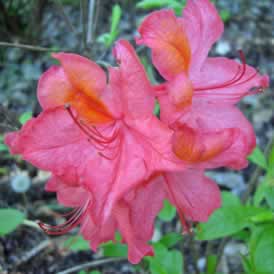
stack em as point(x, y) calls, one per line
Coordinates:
point(108, 142)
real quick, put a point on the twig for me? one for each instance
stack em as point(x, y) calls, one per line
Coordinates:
point(83, 18)
point(24, 46)
point(60, 7)
point(193, 253)
point(91, 264)
point(33, 252)
point(31, 224)
point(90, 27)
point(256, 174)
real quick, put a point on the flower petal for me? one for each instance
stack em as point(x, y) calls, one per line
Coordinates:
point(195, 196)
point(54, 88)
point(53, 142)
point(136, 219)
point(210, 118)
point(203, 27)
point(163, 33)
point(196, 146)
point(210, 83)
point(131, 82)
point(180, 91)
point(85, 75)
point(67, 195)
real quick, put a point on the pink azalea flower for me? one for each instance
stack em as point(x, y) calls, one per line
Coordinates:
point(198, 99)
point(104, 147)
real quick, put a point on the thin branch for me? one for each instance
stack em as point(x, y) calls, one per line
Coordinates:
point(253, 182)
point(90, 27)
point(83, 19)
point(33, 252)
point(60, 7)
point(31, 224)
point(24, 46)
point(91, 264)
point(193, 252)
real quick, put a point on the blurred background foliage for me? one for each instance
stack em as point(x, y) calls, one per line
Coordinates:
point(238, 238)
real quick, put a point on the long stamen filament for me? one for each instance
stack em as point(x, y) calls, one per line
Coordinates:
point(98, 140)
point(235, 81)
point(75, 219)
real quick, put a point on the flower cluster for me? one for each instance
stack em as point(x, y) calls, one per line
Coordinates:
point(111, 159)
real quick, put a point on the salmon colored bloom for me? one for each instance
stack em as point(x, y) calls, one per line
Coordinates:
point(198, 99)
point(104, 148)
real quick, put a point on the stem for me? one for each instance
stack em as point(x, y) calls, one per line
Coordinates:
point(90, 27)
point(83, 16)
point(33, 252)
point(193, 253)
point(253, 182)
point(60, 7)
point(91, 264)
point(31, 224)
point(24, 46)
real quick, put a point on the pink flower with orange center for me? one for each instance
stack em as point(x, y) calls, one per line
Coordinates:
point(104, 148)
point(197, 101)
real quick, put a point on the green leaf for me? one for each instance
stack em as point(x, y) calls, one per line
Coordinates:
point(168, 212)
point(165, 261)
point(225, 15)
point(157, 109)
point(260, 193)
point(9, 220)
point(103, 38)
point(152, 4)
point(111, 249)
point(3, 148)
point(271, 157)
point(211, 264)
point(227, 220)
point(25, 117)
point(269, 196)
point(271, 162)
point(246, 264)
point(263, 217)
point(262, 250)
point(257, 157)
point(82, 272)
point(95, 272)
point(77, 243)
point(229, 199)
point(115, 18)
point(171, 239)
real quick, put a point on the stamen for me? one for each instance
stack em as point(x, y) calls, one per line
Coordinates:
point(75, 219)
point(235, 81)
point(98, 140)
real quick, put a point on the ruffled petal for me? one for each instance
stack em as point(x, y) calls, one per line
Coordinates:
point(195, 196)
point(180, 91)
point(224, 80)
point(210, 118)
point(53, 142)
point(136, 218)
point(85, 75)
point(54, 88)
point(67, 195)
point(98, 234)
point(197, 146)
point(163, 33)
point(203, 27)
point(131, 83)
